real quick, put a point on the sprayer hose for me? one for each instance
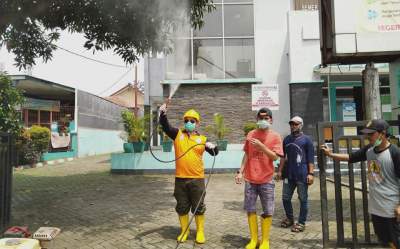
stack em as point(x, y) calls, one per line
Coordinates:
point(205, 188)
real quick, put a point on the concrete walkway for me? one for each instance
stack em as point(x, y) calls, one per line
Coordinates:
point(96, 210)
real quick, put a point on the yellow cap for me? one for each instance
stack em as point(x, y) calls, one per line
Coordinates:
point(192, 114)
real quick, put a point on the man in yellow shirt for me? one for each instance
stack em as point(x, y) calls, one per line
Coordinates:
point(189, 173)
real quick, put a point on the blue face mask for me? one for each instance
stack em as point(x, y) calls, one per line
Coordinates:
point(190, 126)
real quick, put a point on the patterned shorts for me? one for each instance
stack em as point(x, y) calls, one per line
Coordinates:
point(266, 191)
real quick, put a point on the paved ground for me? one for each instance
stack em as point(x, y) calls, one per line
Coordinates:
point(97, 210)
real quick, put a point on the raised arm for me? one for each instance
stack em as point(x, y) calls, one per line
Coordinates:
point(171, 132)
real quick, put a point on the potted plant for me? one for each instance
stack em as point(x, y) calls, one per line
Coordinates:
point(220, 130)
point(135, 128)
point(249, 126)
point(63, 125)
point(166, 142)
point(128, 147)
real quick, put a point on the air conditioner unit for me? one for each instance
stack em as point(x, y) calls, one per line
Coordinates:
point(243, 66)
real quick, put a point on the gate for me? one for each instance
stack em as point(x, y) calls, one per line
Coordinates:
point(5, 180)
point(352, 230)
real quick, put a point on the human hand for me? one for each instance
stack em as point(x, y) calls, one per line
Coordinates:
point(163, 108)
point(310, 179)
point(397, 213)
point(210, 145)
point(257, 143)
point(326, 150)
point(278, 176)
point(238, 178)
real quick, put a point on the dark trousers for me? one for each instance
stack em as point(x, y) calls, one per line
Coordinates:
point(387, 230)
point(302, 191)
point(188, 193)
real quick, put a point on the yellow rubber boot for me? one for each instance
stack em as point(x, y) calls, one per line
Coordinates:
point(184, 220)
point(200, 229)
point(253, 226)
point(265, 228)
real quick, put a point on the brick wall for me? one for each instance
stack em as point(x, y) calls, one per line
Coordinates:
point(233, 101)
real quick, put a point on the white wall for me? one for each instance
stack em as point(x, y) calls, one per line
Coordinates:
point(271, 49)
point(304, 45)
point(97, 141)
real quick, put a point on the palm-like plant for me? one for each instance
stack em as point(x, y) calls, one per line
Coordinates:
point(219, 129)
point(134, 126)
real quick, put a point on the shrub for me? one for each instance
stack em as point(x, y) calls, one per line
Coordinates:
point(32, 143)
point(249, 126)
point(40, 137)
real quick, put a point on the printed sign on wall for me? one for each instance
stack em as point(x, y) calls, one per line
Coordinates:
point(264, 96)
point(349, 114)
point(379, 16)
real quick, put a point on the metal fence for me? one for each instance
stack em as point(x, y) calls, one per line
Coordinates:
point(6, 154)
point(343, 229)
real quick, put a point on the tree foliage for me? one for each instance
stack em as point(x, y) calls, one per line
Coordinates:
point(10, 99)
point(29, 28)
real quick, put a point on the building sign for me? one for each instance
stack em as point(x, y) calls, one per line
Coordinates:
point(41, 104)
point(349, 114)
point(379, 16)
point(264, 96)
point(306, 5)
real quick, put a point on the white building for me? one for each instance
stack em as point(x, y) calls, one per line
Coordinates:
point(245, 42)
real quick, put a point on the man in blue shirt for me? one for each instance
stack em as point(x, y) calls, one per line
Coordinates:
point(296, 168)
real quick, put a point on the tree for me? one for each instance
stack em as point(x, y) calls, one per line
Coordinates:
point(131, 28)
point(10, 98)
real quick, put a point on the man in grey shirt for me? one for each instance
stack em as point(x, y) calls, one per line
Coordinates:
point(384, 180)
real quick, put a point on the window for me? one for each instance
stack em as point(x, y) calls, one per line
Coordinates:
point(208, 59)
point(212, 24)
point(179, 63)
point(222, 49)
point(239, 20)
point(239, 58)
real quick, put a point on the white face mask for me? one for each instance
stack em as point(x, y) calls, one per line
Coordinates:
point(263, 124)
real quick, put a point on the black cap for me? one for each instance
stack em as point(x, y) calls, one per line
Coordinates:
point(264, 112)
point(374, 125)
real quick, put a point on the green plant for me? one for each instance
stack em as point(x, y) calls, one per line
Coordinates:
point(249, 126)
point(32, 143)
point(219, 129)
point(63, 124)
point(40, 137)
point(134, 126)
point(10, 99)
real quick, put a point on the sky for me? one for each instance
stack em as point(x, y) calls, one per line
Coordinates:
point(72, 70)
